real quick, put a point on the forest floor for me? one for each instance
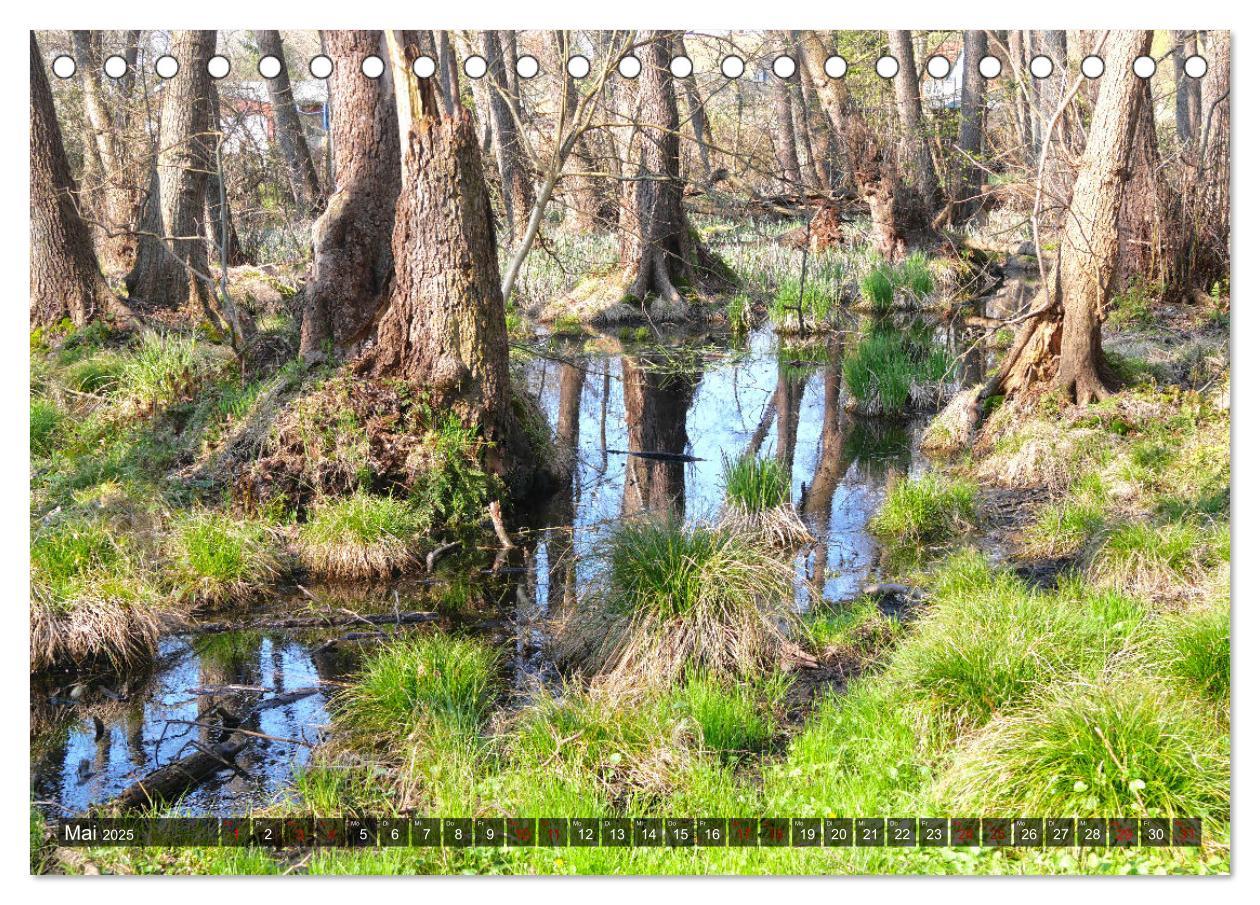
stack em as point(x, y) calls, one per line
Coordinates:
point(1065, 651)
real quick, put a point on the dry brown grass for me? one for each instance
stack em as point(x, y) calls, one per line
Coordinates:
point(779, 527)
point(92, 628)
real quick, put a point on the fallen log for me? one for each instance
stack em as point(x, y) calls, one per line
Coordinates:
point(176, 778)
point(300, 622)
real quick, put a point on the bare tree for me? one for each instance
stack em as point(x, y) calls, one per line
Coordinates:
point(303, 180)
point(917, 165)
point(514, 170)
point(971, 123)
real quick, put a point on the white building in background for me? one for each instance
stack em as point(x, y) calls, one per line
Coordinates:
point(246, 112)
point(945, 93)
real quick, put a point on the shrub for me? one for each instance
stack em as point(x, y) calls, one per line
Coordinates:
point(431, 680)
point(925, 510)
point(361, 536)
point(217, 558)
point(1112, 747)
point(675, 597)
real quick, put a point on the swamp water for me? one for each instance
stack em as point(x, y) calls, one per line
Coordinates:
point(689, 401)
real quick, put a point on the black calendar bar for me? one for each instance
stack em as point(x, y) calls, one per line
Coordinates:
point(637, 832)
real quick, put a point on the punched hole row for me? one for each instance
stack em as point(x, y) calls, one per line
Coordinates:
point(732, 66)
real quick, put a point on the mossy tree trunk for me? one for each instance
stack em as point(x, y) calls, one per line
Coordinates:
point(444, 328)
point(66, 280)
point(1062, 342)
point(661, 254)
point(303, 179)
point(353, 266)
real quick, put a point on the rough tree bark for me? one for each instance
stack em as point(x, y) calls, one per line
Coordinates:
point(518, 189)
point(1189, 97)
point(1016, 42)
point(66, 280)
point(813, 168)
point(444, 327)
point(591, 207)
point(120, 196)
point(1061, 342)
point(350, 276)
point(696, 116)
point(177, 277)
point(785, 151)
point(660, 252)
point(874, 174)
point(303, 179)
point(971, 124)
point(917, 166)
point(218, 208)
point(827, 153)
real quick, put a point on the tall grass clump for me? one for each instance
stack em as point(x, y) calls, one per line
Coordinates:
point(876, 287)
point(915, 275)
point(1155, 560)
point(89, 598)
point(421, 682)
point(361, 536)
point(759, 501)
point(1193, 646)
point(674, 597)
point(161, 369)
point(732, 718)
point(739, 314)
point(988, 641)
point(45, 421)
point(926, 510)
point(216, 558)
point(893, 370)
point(795, 311)
point(1112, 746)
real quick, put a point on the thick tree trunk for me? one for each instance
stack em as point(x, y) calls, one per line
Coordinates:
point(874, 174)
point(303, 179)
point(444, 328)
point(218, 209)
point(1063, 342)
point(813, 169)
point(971, 125)
point(118, 210)
point(660, 252)
point(917, 167)
point(448, 73)
point(66, 281)
point(350, 276)
point(827, 152)
point(518, 189)
point(176, 279)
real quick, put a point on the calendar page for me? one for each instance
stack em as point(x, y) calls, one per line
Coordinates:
point(630, 451)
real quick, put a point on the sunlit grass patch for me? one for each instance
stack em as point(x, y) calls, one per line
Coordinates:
point(1150, 559)
point(361, 536)
point(794, 309)
point(161, 369)
point(876, 287)
point(674, 597)
point(1194, 646)
point(216, 558)
point(733, 717)
point(1116, 745)
point(97, 374)
point(891, 371)
point(45, 420)
point(856, 630)
point(425, 681)
point(1064, 527)
point(926, 510)
point(89, 598)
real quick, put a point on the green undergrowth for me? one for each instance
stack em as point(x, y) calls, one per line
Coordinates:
point(895, 369)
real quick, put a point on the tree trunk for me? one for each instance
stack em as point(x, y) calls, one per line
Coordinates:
point(218, 208)
point(66, 281)
point(696, 117)
point(518, 190)
point(813, 170)
point(660, 252)
point(444, 328)
point(1189, 96)
point(917, 166)
point(1063, 342)
point(350, 276)
point(971, 125)
point(827, 153)
point(448, 73)
point(176, 278)
point(117, 246)
point(1016, 46)
point(303, 178)
point(874, 174)
point(591, 207)
point(789, 174)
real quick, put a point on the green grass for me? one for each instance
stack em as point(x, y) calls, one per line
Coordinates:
point(1115, 746)
point(45, 421)
point(732, 718)
point(361, 535)
point(915, 275)
point(1065, 527)
point(673, 597)
point(876, 287)
point(217, 558)
point(98, 374)
point(1194, 646)
point(1148, 558)
point(790, 307)
point(990, 641)
point(453, 491)
point(427, 681)
point(162, 368)
point(756, 484)
point(926, 510)
point(739, 313)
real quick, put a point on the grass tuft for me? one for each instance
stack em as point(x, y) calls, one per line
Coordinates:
point(217, 559)
point(926, 510)
point(361, 536)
